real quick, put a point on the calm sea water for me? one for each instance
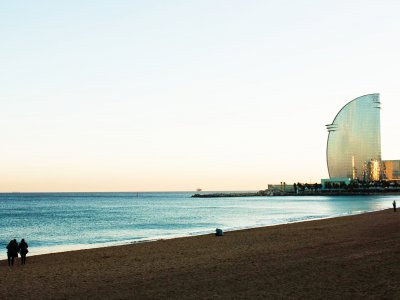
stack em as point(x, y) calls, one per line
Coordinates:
point(53, 222)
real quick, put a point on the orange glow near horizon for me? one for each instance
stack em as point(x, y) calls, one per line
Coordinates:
point(117, 97)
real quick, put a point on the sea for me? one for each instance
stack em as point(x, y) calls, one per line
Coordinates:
point(56, 222)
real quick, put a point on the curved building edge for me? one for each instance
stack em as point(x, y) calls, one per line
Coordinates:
point(332, 127)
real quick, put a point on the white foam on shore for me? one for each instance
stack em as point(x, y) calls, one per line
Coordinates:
point(75, 247)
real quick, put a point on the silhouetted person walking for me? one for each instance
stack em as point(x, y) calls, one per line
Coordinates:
point(12, 251)
point(23, 250)
point(394, 205)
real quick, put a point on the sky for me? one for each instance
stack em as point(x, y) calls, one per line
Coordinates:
point(179, 95)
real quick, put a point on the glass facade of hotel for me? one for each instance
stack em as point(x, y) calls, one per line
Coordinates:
point(354, 140)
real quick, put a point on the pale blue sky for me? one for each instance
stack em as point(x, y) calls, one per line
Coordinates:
point(175, 95)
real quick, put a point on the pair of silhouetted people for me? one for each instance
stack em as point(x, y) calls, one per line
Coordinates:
point(12, 251)
point(394, 205)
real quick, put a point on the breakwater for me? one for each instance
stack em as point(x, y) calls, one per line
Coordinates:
point(357, 192)
point(225, 195)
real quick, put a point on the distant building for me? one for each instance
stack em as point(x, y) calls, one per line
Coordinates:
point(354, 143)
point(391, 170)
point(282, 187)
point(325, 182)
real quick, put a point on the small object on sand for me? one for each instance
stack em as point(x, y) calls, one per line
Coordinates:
point(219, 232)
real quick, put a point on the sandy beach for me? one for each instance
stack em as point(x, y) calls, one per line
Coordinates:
point(353, 257)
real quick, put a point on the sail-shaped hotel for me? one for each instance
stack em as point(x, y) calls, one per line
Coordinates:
point(354, 143)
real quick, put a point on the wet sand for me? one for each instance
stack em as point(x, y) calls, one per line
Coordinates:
point(352, 257)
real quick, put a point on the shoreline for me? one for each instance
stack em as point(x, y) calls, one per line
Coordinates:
point(211, 233)
point(354, 256)
point(80, 247)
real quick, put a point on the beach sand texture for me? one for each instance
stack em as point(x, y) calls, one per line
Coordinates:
point(354, 257)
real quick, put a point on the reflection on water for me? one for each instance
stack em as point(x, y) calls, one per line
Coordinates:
point(66, 221)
